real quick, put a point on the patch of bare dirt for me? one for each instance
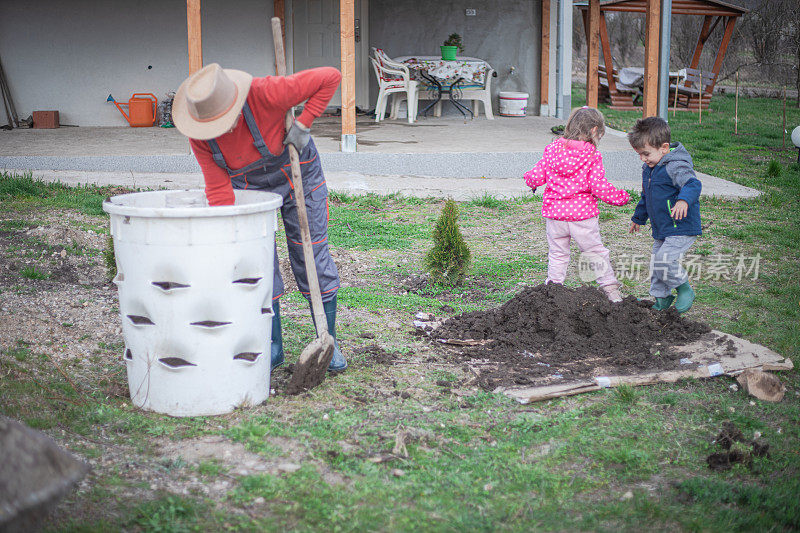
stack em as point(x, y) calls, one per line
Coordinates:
point(374, 355)
point(57, 252)
point(478, 288)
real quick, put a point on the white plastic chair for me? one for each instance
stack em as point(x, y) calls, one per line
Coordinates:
point(477, 94)
point(394, 80)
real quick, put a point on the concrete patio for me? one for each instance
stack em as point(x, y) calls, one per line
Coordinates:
point(434, 157)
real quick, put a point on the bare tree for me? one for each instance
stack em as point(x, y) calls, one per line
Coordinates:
point(626, 33)
point(772, 31)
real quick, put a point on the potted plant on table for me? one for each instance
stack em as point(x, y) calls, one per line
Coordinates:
point(451, 46)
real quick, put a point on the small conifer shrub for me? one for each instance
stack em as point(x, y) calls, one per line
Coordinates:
point(448, 260)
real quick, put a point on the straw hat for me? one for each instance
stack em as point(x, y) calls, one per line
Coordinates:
point(208, 102)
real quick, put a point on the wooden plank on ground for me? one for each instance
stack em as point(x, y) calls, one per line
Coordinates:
point(715, 353)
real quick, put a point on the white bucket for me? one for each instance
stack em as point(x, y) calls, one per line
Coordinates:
point(513, 104)
point(195, 298)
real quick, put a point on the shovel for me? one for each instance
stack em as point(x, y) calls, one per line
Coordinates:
point(314, 360)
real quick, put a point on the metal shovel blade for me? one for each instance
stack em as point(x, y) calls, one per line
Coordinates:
point(310, 369)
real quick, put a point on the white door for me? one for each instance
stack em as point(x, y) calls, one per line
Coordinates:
point(316, 41)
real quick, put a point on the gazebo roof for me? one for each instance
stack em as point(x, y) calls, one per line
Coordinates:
point(679, 7)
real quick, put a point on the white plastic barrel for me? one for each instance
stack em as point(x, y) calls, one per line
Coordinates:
point(195, 298)
point(513, 104)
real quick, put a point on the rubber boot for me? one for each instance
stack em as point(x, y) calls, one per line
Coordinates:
point(277, 337)
point(338, 362)
point(685, 298)
point(662, 304)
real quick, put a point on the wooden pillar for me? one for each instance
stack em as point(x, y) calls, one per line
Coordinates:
point(651, 49)
point(195, 35)
point(723, 47)
point(592, 53)
point(279, 10)
point(544, 80)
point(348, 47)
point(563, 95)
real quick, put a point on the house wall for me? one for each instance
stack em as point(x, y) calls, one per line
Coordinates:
point(505, 33)
point(70, 56)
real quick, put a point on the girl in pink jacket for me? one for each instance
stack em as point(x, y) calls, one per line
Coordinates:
point(574, 178)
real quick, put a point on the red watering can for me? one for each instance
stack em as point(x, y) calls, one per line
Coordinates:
point(141, 109)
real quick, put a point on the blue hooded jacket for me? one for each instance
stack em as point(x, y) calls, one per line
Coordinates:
point(672, 179)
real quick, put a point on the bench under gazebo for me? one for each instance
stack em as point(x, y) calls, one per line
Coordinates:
point(695, 85)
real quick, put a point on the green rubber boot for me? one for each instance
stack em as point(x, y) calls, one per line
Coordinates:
point(685, 298)
point(338, 362)
point(277, 337)
point(662, 304)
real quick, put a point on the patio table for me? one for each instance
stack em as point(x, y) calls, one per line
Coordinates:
point(447, 77)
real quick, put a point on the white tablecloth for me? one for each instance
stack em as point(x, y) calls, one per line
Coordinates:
point(471, 69)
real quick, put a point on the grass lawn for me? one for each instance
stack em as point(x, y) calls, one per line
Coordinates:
point(412, 445)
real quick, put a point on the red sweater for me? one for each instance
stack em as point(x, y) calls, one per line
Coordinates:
point(269, 100)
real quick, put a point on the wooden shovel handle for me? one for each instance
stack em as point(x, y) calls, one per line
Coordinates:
point(297, 180)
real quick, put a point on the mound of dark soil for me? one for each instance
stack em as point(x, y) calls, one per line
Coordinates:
point(553, 330)
point(738, 449)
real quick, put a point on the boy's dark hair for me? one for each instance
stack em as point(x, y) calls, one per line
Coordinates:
point(651, 130)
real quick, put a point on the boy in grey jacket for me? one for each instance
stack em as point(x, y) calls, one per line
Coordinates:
point(671, 200)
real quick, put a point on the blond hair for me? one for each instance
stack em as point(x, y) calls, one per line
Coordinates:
point(581, 122)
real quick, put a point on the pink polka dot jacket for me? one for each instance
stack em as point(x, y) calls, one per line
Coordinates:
point(574, 179)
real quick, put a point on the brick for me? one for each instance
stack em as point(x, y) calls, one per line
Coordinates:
point(45, 119)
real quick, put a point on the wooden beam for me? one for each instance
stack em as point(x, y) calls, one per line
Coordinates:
point(701, 41)
point(607, 57)
point(279, 10)
point(676, 11)
point(544, 77)
point(195, 35)
point(585, 16)
point(651, 48)
point(348, 47)
point(723, 47)
point(592, 53)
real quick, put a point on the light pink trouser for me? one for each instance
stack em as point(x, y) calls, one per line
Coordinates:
point(586, 234)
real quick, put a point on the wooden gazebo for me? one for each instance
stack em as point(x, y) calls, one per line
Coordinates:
point(714, 13)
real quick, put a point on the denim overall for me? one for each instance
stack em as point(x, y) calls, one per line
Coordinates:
point(273, 174)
